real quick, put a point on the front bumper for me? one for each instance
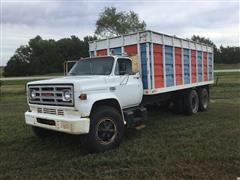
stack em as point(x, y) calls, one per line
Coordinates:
point(71, 125)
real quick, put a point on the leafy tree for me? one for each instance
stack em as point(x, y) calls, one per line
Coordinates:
point(69, 48)
point(46, 56)
point(203, 40)
point(113, 23)
point(73, 48)
point(86, 39)
point(19, 62)
point(228, 55)
point(208, 42)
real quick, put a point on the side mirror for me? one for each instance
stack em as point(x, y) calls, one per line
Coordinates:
point(137, 75)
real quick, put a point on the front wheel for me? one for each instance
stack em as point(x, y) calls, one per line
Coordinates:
point(106, 129)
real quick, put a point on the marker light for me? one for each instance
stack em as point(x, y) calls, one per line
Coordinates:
point(83, 96)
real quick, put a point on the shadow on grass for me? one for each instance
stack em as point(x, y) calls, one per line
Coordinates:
point(56, 141)
point(62, 142)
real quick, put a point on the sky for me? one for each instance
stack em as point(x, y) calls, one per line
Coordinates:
point(22, 20)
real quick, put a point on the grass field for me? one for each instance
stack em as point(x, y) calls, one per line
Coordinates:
point(204, 146)
point(227, 66)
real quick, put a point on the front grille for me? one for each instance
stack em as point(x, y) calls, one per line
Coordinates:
point(50, 94)
point(51, 111)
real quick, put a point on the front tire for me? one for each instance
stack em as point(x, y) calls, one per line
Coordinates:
point(106, 129)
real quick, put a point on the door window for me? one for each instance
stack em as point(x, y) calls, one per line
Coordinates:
point(123, 66)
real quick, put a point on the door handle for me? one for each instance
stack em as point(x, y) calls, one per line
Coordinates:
point(112, 88)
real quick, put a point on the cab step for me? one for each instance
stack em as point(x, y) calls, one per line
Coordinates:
point(135, 117)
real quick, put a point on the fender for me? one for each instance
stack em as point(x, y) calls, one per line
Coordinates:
point(85, 106)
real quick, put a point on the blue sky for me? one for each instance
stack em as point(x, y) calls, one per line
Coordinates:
point(23, 20)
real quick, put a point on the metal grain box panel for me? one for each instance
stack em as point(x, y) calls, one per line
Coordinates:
point(166, 63)
point(115, 42)
point(178, 66)
point(144, 65)
point(176, 42)
point(168, 40)
point(186, 60)
point(158, 66)
point(193, 66)
point(192, 45)
point(158, 39)
point(131, 39)
point(101, 45)
point(185, 44)
point(117, 51)
point(200, 65)
point(169, 66)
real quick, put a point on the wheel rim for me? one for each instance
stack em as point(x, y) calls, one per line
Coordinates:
point(205, 99)
point(106, 131)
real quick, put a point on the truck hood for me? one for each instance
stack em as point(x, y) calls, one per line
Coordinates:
point(81, 83)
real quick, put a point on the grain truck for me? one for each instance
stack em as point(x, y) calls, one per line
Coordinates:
point(108, 92)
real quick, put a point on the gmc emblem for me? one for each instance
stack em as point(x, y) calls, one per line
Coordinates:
point(47, 94)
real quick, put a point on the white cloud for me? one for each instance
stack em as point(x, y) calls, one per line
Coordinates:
point(22, 21)
point(16, 35)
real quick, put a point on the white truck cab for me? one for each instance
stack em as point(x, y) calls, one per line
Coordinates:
point(101, 86)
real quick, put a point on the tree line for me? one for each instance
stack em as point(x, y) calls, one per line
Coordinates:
point(224, 55)
point(41, 56)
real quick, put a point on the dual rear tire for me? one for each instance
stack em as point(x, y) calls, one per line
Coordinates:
point(203, 95)
point(191, 101)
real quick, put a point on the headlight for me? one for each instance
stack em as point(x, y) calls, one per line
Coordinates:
point(32, 94)
point(67, 95)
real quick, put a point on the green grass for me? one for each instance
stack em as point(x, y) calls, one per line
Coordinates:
point(204, 146)
point(226, 66)
point(226, 87)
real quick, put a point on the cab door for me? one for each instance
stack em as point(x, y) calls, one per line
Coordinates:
point(128, 86)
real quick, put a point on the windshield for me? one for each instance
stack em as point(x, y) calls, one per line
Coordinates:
point(92, 66)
